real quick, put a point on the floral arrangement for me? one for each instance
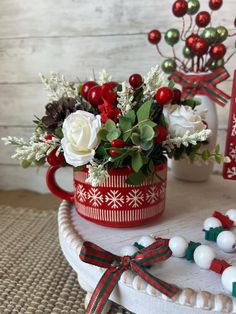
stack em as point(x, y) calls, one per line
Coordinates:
point(105, 125)
point(203, 44)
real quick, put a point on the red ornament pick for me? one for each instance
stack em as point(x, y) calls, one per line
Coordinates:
point(200, 47)
point(191, 40)
point(180, 8)
point(135, 80)
point(86, 87)
point(215, 4)
point(203, 19)
point(94, 96)
point(154, 36)
point(217, 51)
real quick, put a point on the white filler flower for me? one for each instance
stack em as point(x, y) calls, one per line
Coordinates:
point(80, 139)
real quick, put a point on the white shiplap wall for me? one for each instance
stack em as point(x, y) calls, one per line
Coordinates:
point(75, 37)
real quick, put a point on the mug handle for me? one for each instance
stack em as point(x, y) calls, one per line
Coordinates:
point(54, 187)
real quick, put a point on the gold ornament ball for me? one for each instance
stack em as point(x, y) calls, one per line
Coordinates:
point(222, 33)
point(172, 36)
point(193, 7)
point(210, 34)
point(168, 66)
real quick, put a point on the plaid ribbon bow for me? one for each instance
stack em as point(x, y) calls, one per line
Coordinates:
point(204, 84)
point(116, 265)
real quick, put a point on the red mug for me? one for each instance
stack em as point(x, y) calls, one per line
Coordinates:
point(115, 203)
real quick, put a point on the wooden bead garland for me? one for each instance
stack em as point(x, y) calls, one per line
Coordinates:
point(203, 255)
point(217, 227)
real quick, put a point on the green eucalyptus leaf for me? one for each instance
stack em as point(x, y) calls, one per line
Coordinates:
point(143, 112)
point(126, 135)
point(114, 134)
point(125, 123)
point(171, 84)
point(146, 145)
point(40, 162)
point(131, 116)
point(25, 163)
point(146, 132)
point(137, 162)
point(135, 138)
point(206, 154)
point(109, 125)
point(150, 123)
point(136, 178)
point(218, 158)
point(59, 133)
point(217, 149)
point(102, 134)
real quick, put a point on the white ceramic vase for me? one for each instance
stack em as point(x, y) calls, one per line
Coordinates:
point(182, 169)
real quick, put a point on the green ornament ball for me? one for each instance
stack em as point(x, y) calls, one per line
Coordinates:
point(215, 64)
point(222, 33)
point(168, 66)
point(193, 7)
point(172, 36)
point(187, 52)
point(210, 34)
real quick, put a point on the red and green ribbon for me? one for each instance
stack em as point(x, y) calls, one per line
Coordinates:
point(204, 84)
point(116, 265)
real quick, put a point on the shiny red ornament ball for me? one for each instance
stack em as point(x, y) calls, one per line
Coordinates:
point(200, 47)
point(95, 96)
point(176, 96)
point(215, 4)
point(180, 8)
point(203, 19)
point(164, 96)
point(135, 81)
point(55, 160)
point(154, 36)
point(191, 39)
point(161, 134)
point(217, 51)
point(118, 143)
point(107, 92)
point(86, 87)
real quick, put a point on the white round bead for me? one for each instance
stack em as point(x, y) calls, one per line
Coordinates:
point(228, 277)
point(226, 241)
point(146, 241)
point(203, 256)
point(178, 246)
point(231, 213)
point(128, 250)
point(211, 222)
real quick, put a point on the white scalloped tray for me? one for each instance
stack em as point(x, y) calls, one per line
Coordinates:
point(188, 204)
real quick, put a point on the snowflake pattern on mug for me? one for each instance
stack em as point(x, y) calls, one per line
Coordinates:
point(95, 197)
point(135, 198)
point(81, 194)
point(114, 198)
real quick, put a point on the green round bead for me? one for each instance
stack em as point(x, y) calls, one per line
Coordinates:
point(168, 66)
point(210, 34)
point(172, 36)
point(193, 7)
point(216, 64)
point(222, 33)
point(187, 52)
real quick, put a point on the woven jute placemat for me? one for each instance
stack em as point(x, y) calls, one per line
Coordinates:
point(34, 275)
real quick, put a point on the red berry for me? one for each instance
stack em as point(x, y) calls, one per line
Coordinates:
point(86, 87)
point(154, 37)
point(55, 160)
point(47, 138)
point(215, 4)
point(135, 81)
point(113, 153)
point(180, 8)
point(177, 96)
point(109, 86)
point(191, 40)
point(161, 134)
point(118, 143)
point(200, 47)
point(217, 51)
point(164, 96)
point(94, 96)
point(203, 19)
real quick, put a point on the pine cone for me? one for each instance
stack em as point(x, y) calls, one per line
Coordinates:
point(57, 111)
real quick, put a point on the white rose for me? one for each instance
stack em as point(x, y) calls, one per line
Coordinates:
point(80, 139)
point(181, 119)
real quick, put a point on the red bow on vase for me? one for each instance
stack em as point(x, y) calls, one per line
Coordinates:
point(116, 265)
point(204, 84)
